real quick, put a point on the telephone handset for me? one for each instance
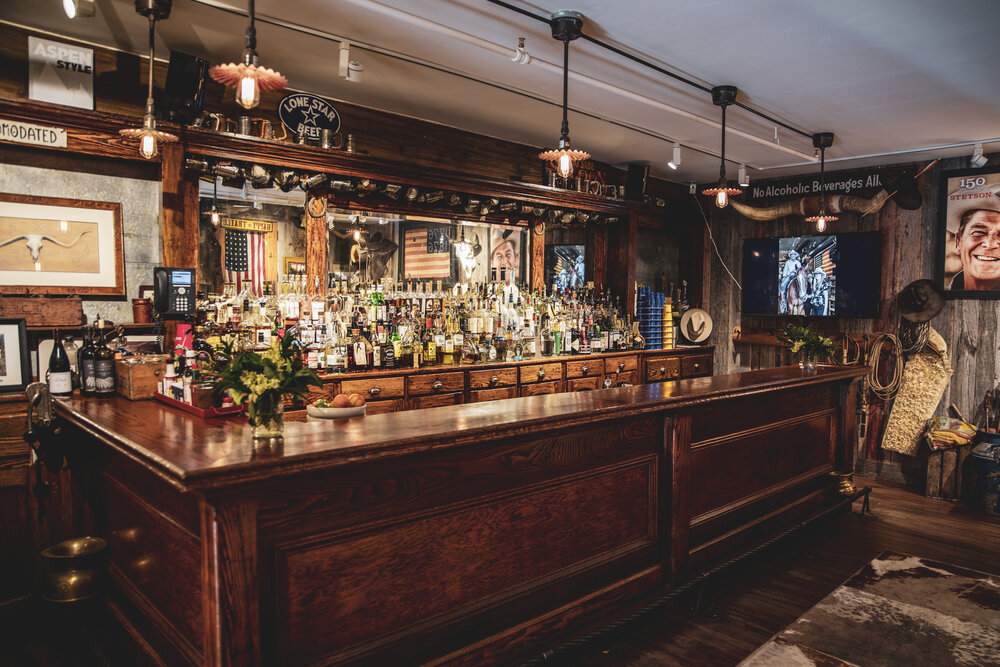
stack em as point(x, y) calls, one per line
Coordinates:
point(173, 290)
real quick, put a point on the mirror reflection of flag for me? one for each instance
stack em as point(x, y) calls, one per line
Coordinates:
point(245, 252)
point(426, 256)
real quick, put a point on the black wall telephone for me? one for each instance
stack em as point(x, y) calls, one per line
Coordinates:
point(173, 290)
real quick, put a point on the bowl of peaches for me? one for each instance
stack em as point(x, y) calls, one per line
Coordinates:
point(338, 407)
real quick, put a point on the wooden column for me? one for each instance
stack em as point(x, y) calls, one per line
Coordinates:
point(597, 255)
point(180, 209)
point(678, 439)
point(537, 261)
point(317, 237)
point(229, 578)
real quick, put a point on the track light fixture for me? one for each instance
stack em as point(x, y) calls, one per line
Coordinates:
point(822, 141)
point(723, 96)
point(978, 159)
point(148, 136)
point(676, 159)
point(742, 177)
point(566, 26)
point(247, 76)
point(78, 9)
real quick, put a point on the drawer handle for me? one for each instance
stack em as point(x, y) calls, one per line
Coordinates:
point(586, 369)
point(494, 380)
point(374, 391)
point(663, 370)
point(156, 373)
point(696, 366)
point(438, 385)
point(621, 366)
point(541, 373)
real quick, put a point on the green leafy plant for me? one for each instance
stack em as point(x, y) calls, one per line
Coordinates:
point(798, 338)
point(262, 379)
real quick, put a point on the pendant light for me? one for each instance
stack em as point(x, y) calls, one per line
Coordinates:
point(566, 26)
point(723, 96)
point(216, 216)
point(147, 135)
point(247, 76)
point(822, 141)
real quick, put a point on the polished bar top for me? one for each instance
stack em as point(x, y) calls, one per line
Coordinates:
point(192, 452)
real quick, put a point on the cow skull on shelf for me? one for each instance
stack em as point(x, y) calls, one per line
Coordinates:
point(34, 242)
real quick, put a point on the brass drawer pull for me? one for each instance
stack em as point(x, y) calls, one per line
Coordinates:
point(621, 366)
point(375, 391)
point(494, 380)
point(438, 385)
point(585, 369)
point(541, 373)
point(663, 370)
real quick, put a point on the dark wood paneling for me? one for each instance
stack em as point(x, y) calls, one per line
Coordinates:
point(15, 534)
point(711, 421)
point(737, 467)
point(330, 599)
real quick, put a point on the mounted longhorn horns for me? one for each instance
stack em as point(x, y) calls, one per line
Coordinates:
point(808, 206)
point(34, 242)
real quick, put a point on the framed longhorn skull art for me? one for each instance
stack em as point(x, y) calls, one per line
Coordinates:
point(51, 245)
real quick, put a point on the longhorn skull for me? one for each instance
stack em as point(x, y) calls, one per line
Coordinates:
point(810, 206)
point(34, 242)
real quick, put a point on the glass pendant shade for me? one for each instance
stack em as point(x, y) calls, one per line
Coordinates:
point(822, 141)
point(247, 76)
point(723, 96)
point(148, 136)
point(566, 26)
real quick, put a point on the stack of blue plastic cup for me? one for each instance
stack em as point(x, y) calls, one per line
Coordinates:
point(649, 313)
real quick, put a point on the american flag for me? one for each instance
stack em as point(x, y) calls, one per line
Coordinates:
point(425, 257)
point(245, 259)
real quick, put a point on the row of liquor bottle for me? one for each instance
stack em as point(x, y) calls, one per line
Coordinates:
point(414, 324)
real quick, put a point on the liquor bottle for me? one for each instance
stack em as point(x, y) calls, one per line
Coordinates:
point(105, 373)
point(169, 375)
point(430, 344)
point(60, 374)
point(357, 353)
point(85, 362)
point(638, 340)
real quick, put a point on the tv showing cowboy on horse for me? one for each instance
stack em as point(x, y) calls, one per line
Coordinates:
point(806, 268)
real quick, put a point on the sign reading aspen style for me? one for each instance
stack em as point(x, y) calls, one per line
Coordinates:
point(36, 135)
point(260, 226)
point(60, 73)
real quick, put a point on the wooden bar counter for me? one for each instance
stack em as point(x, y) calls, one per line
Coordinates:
point(466, 534)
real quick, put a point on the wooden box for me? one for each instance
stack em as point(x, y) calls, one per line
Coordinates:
point(43, 311)
point(139, 377)
point(945, 473)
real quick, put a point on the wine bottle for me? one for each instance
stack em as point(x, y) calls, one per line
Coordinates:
point(60, 375)
point(85, 363)
point(105, 376)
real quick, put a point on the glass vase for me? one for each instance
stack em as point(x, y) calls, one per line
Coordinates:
point(269, 418)
point(808, 364)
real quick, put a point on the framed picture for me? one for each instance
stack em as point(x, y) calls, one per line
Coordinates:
point(295, 266)
point(15, 368)
point(968, 262)
point(60, 246)
point(564, 266)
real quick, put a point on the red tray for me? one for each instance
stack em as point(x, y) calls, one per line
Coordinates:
point(201, 412)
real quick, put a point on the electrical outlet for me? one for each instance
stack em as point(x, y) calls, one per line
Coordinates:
point(692, 188)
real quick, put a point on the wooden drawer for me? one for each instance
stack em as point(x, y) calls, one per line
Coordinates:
point(296, 416)
point(492, 394)
point(374, 387)
point(628, 377)
point(539, 372)
point(13, 448)
point(696, 365)
point(491, 379)
point(382, 407)
point(620, 364)
point(584, 368)
point(538, 388)
point(433, 401)
point(438, 383)
point(659, 369)
point(580, 384)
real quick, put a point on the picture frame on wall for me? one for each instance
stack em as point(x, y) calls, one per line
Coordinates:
point(968, 259)
point(51, 245)
point(15, 366)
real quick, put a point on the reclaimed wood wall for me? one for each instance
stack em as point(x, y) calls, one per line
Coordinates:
point(971, 328)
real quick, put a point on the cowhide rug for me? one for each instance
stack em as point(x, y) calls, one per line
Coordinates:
point(898, 610)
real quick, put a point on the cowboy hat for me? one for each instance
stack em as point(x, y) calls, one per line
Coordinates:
point(961, 200)
point(920, 301)
point(696, 325)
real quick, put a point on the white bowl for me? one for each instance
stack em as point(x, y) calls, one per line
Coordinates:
point(335, 413)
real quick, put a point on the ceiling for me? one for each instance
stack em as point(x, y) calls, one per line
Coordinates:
point(894, 80)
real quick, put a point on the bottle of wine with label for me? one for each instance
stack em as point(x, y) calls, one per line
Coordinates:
point(60, 375)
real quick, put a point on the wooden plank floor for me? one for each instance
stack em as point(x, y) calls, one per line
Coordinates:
point(750, 602)
point(762, 595)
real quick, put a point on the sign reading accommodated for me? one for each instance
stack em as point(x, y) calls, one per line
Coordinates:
point(36, 135)
point(261, 226)
point(308, 114)
point(60, 73)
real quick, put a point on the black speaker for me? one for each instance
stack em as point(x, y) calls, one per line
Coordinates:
point(182, 95)
point(635, 184)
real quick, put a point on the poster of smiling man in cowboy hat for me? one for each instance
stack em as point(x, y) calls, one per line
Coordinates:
point(971, 247)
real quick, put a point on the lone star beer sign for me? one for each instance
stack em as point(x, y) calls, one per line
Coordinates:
point(309, 114)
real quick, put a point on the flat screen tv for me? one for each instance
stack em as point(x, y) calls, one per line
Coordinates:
point(833, 275)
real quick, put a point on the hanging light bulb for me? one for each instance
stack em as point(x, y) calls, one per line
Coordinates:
point(357, 234)
point(723, 96)
point(148, 136)
point(248, 77)
point(822, 141)
point(566, 26)
point(216, 216)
